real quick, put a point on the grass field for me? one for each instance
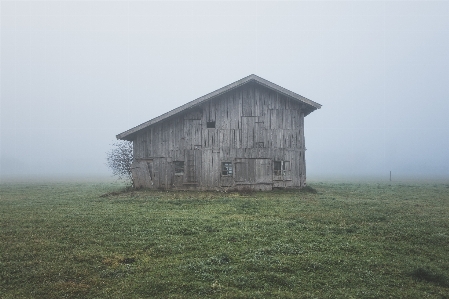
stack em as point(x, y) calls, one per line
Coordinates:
point(348, 240)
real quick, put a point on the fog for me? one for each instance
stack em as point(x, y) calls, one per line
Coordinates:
point(75, 74)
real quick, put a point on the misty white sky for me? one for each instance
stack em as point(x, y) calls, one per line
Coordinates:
point(76, 73)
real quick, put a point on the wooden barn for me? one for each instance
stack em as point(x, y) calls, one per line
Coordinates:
point(248, 134)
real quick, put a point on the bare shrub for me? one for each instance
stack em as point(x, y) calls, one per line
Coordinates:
point(119, 160)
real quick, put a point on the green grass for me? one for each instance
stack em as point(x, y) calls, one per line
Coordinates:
point(348, 240)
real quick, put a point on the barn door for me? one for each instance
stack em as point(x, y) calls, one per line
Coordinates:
point(192, 133)
point(162, 173)
point(193, 165)
point(253, 171)
point(242, 175)
point(253, 132)
point(141, 170)
point(264, 171)
point(248, 131)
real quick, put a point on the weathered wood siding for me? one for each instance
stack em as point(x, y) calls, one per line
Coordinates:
point(254, 126)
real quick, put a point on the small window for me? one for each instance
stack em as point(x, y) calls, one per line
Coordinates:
point(210, 124)
point(226, 168)
point(179, 167)
point(259, 144)
point(279, 168)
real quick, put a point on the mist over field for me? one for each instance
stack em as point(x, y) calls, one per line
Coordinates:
point(74, 74)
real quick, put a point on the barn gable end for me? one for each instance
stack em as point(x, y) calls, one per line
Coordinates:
point(245, 135)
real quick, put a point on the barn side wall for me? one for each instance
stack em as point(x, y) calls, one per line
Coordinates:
point(253, 127)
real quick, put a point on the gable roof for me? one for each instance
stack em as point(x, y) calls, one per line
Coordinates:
point(127, 135)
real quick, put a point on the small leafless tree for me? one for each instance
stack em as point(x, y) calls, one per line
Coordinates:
point(119, 159)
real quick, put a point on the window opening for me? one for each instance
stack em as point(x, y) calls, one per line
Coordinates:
point(179, 167)
point(279, 168)
point(226, 168)
point(210, 124)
